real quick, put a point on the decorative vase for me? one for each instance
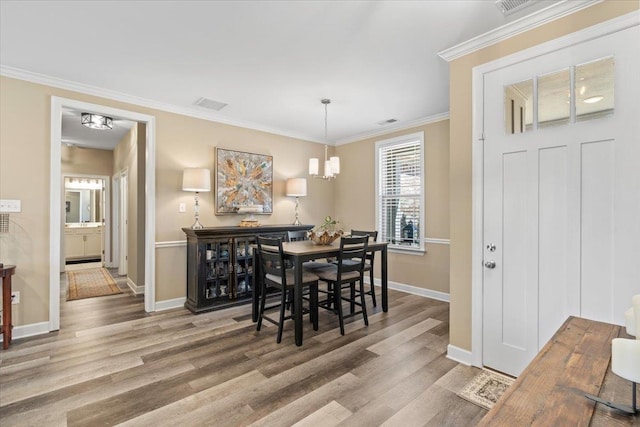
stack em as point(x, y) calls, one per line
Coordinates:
point(325, 237)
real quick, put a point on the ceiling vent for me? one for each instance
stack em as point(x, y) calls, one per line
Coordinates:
point(387, 122)
point(210, 104)
point(508, 7)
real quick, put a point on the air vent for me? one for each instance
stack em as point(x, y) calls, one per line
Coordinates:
point(210, 104)
point(508, 7)
point(387, 122)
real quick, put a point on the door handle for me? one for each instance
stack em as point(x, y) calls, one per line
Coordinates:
point(490, 264)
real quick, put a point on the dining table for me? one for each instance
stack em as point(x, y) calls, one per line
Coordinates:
point(306, 250)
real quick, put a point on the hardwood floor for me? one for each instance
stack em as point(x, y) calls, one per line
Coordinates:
point(113, 364)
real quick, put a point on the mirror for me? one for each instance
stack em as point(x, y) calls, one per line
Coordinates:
point(83, 200)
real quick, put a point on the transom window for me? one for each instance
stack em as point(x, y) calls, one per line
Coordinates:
point(575, 94)
point(400, 192)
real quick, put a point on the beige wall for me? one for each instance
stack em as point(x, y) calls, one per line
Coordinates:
point(460, 149)
point(355, 203)
point(86, 161)
point(180, 142)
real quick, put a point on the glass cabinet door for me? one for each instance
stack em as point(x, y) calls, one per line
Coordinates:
point(244, 266)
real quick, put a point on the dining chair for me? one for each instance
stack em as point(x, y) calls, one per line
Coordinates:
point(343, 274)
point(276, 275)
point(296, 235)
point(368, 265)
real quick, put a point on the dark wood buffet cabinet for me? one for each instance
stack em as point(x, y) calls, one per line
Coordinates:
point(220, 264)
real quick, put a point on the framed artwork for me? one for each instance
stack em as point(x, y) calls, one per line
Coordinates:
point(243, 179)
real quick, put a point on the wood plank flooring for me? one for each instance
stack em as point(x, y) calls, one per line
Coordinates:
point(113, 364)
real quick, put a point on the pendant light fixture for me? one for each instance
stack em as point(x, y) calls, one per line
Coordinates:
point(331, 165)
point(96, 121)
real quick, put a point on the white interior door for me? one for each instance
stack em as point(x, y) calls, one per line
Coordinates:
point(561, 199)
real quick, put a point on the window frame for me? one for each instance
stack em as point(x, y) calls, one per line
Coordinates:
point(417, 137)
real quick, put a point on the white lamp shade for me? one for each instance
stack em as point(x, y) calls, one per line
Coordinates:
point(196, 180)
point(313, 166)
point(335, 165)
point(296, 187)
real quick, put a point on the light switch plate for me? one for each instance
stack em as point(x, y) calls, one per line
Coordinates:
point(182, 207)
point(7, 206)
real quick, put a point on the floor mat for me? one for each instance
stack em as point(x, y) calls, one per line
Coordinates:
point(95, 282)
point(486, 388)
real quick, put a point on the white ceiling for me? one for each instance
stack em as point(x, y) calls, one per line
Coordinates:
point(270, 61)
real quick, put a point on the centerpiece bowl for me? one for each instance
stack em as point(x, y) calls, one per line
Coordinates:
point(324, 237)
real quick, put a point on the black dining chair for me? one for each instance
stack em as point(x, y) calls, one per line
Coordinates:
point(276, 275)
point(343, 274)
point(297, 235)
point(368, 266)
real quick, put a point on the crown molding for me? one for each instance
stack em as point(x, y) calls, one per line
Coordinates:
point(42, 79)
point(37, 78)
point(529, 22)
point(395, 128)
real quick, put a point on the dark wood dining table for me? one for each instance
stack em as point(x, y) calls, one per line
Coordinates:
point(306, 250)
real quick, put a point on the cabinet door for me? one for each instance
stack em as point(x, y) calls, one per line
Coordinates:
point(243, 267)
point(217, 272)
point(93, 243)
point(73, 245)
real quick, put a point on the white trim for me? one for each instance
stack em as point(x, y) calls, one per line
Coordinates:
point(414, 290)
point(436, 241)
point(30, 330)
point(395, 128)
point(536, 19)
point(137, 290)
point(150, 217)
point(29, 76)
point(459, 355)
point(55, 205)
point(55, 213)
point(599, 30)
point(171, 244)
point(106, 227)
point(400, 139)
point(170, 304)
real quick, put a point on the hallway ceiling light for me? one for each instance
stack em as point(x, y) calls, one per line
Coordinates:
point(96, 121)
point(331, 165)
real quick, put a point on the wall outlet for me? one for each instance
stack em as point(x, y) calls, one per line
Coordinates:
point(15, 297)
point(182, 207)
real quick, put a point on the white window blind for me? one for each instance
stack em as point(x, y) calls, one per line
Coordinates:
point(400, 191)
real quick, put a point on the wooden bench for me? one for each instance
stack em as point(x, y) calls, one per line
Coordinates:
point(551, 389)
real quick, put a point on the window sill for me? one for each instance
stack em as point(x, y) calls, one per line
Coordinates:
point(407, 251)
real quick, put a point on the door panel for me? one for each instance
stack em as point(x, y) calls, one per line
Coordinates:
point(561, 206)
point(597, 231)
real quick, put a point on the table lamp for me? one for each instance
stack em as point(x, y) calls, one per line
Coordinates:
point(196, 180)
point(296, 187)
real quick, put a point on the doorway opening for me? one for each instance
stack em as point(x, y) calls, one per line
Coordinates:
point(58, 207)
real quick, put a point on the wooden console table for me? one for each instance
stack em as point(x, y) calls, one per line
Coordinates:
point(550, 391)
point(6, 272)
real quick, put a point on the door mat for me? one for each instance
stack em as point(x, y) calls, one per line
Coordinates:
point(486, 388)
point(94, 282)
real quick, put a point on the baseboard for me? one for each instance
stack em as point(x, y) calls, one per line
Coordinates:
point(410, 289)
point(170, 303)
point(30, 330)
point(137, 290)
point(459, 355)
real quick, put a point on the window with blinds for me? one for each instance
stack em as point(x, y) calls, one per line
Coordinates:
point(400, 191)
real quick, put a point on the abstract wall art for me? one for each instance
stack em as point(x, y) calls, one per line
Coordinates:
point(243, 179)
